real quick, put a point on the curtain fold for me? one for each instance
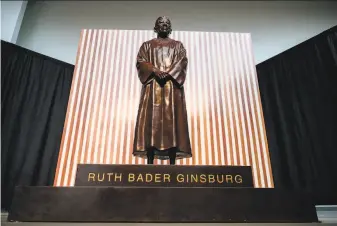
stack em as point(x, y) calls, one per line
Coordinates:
point(34, 97)
point(299, 96)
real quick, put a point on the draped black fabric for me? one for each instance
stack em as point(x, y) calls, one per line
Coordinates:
point(34, 96)
point(299, 98)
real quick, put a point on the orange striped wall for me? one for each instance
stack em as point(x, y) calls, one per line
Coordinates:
point(223, 103)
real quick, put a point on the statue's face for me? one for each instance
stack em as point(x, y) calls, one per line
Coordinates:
point(163, 25)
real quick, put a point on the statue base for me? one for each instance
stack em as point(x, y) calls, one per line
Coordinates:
point(160, 204)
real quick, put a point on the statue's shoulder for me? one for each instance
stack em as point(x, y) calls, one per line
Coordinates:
point(155, 42)
point(168, 40)
point(145, 45)
point(176, 41)
point(148, 42)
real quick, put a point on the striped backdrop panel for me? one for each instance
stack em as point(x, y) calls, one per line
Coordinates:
point(225, 117)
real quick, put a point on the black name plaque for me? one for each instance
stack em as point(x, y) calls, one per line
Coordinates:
point(163, 175)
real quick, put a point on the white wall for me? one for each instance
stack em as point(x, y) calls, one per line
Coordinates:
point(53, 27)
point(12, 13)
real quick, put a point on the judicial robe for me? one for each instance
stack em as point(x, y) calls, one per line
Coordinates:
point(162, 118)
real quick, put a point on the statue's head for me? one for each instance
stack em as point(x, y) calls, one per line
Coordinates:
point(163, 26)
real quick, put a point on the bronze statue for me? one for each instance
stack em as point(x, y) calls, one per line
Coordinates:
point(162, 129)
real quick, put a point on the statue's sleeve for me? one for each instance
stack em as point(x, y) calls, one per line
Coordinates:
point(178, 69)
point(144, 67)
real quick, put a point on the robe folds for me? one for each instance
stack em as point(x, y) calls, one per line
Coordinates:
point(162, 117)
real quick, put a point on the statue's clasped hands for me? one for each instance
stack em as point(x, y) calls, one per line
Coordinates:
point(162, 74)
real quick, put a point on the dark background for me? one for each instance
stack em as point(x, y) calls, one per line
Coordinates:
point(299, 96)
point(298, 92)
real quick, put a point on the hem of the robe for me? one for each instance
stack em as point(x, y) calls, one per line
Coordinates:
point(162, 154)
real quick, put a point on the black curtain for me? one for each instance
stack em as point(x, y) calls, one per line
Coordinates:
point(34, 97)
point(299, 98)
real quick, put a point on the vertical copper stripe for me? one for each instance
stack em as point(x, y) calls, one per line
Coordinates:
point(239, 116)
point(148, 36)
point(127, 118)
point(142, 37)
point(217, 109)
point(116, 87)
point(194, 95)
point(200, 158)
point(92, 97)
point(100, 100)
point(74, 128)
point(121, 100)
point(119, 96)
point(59, 167)
point(203, 116)
point(238, 151)
point(79, 108)
point(97, 101)
point(248, 134)
point(242, 99)
point(105, 104)
point(187, 88)
point(112, 85)
point(205, 98)
point(235, 150)
point(258, 108)
point(96, 82)
point(211, 99)
point(190, 95)
point(268, 173)
point(68, 131)
point(255, 151)
point(90, 92)
point(255, 122)
point(221, 104)
point(207, 106)
point(177, 37)
point(227, 104)
point(137, 42)
point(225, 116)
point(83, 88)
point(217, 119)
point(129, 110)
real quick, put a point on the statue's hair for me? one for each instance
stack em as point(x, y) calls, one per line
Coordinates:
point(156, 24)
